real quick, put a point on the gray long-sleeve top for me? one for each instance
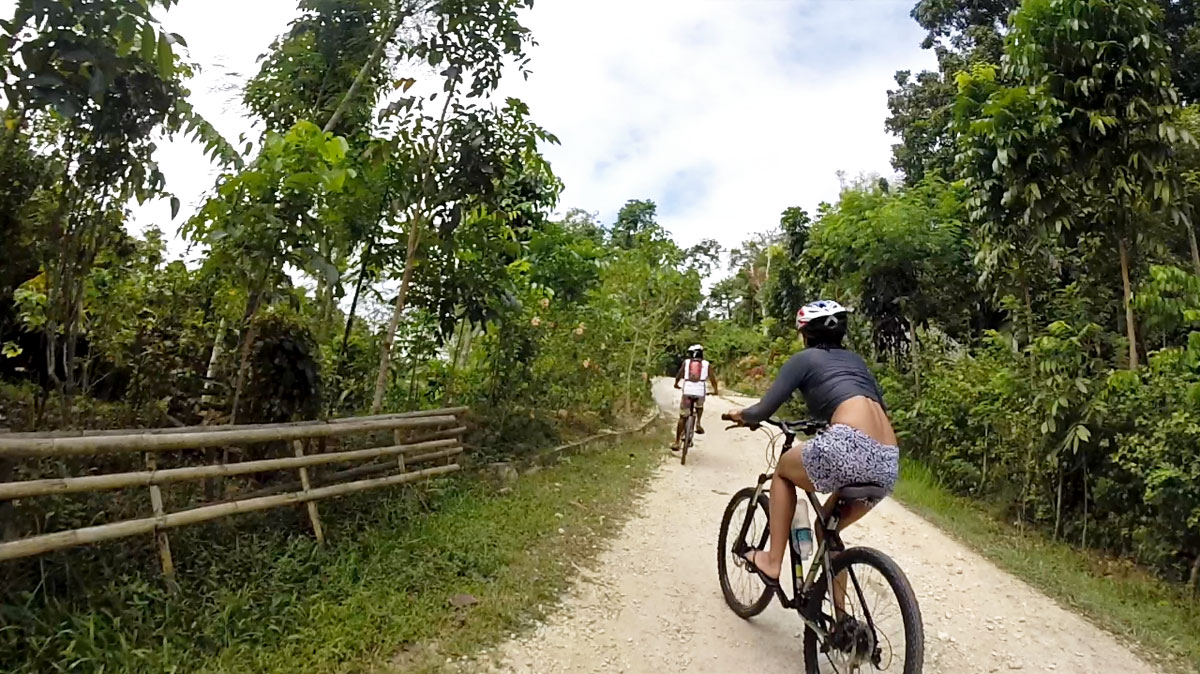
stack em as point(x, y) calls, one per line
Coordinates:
point(826, 377)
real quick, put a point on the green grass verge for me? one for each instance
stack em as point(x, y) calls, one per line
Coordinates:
point(377, 599)
point(1157, 618)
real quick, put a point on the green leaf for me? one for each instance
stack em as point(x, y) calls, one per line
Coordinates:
point(148, 43)
point(166, 58)
point(97, 85)
point(174, 207)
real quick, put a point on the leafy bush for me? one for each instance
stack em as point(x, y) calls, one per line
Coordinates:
point(1103, 457)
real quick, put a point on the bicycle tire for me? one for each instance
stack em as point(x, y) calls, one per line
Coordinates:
point(689, 430)
point(910, 611)
point(725, 546)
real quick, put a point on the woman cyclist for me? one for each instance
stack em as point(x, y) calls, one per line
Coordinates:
point(858, 447)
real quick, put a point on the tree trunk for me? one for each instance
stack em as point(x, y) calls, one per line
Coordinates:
point(244, 353)
point(629, 371)
point(373, 60)
point(1028, 307)
point(1085, 502)
point(1058, 503)
point(1194, 578)
point(1127, 292)
point(766, 282)
point(362, 275)
point(1191, 230)
point(210, 373)
point(457, 352)
point(385, 349)
point(916, 362)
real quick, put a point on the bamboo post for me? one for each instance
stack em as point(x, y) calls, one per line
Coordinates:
point(313, 515)
point(398, 439)
point(8, 512)
point(160, 535)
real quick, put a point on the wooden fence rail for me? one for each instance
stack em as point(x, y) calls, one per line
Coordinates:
point(419, 438)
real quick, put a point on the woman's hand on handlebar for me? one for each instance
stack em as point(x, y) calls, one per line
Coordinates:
point(735, 416)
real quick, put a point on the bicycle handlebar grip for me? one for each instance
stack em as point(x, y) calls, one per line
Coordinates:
point(725, 417)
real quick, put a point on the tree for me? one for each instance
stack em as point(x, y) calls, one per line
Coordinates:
point(269, 216)
point(965, 33)
point(635, 220)
point(308, 72)
point(1007, 149)
point(786, 292)
point(1114, 102)
point(901, 259)
point(474, 40)
point(100, 80)
point(962, 33)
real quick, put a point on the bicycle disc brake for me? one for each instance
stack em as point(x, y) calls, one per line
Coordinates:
point(855, 642)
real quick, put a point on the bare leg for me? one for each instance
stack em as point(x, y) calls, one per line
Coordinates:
point(789, 474)
point(699, 414)
point(678, 433)
point(850, 514)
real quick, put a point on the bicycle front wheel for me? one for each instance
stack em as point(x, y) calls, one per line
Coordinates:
point(882, 628)
point(743, 526)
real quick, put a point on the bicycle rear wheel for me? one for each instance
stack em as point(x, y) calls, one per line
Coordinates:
point(689, 431)
point(746, 522)
point(883, 629)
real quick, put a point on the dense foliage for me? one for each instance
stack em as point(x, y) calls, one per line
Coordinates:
point(1031, 294)
point(375, 249)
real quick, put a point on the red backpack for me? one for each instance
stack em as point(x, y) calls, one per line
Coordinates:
point(695, 370)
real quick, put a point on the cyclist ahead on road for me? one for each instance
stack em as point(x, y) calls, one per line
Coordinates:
point(858, 447)
point(695, 373)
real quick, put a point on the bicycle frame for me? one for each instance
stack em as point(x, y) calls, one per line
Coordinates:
point(830, 542)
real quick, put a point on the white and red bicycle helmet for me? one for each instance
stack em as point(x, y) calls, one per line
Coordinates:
point(822, 315)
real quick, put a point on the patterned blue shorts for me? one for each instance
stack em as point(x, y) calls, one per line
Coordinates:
point(842, 455)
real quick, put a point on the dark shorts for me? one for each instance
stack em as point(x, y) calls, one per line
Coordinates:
point(683, 403)
point(842, 455)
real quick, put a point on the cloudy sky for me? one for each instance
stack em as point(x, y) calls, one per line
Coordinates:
point(724, 112)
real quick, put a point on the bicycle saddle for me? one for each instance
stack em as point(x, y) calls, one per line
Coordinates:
point(862, 492)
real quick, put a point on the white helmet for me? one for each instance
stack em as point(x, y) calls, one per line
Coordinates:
point(695, 351)
point(822, 315)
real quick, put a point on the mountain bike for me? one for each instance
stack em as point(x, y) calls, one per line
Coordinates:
point(689, 430)
point(850, 638)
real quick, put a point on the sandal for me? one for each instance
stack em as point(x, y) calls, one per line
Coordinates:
point(675, 447)
point(770, 582)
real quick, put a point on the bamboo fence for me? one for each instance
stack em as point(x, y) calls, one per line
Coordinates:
point(423, 445)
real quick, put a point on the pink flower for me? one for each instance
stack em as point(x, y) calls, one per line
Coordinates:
point(545, 302)
point(536, 321)
point(587, 363)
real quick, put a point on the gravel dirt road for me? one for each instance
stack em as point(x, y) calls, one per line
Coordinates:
point(653, 603)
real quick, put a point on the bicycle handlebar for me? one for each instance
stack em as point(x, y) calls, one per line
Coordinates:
point(805, 426)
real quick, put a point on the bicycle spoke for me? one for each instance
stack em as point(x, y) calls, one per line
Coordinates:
point(885, 616)
point(746, 583)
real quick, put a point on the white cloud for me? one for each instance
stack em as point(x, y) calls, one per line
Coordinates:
point(723, 111)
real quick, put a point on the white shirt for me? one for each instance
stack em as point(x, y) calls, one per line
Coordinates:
point(696, 389)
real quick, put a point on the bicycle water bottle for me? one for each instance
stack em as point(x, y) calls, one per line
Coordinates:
point(802, 536)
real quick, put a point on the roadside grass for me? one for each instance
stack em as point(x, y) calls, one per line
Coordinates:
point(1160, 620)
point(421, 578)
